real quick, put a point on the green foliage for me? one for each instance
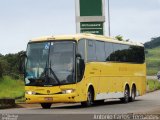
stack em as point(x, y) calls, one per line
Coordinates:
point(153, 60)
point(119, 37)
point(1, 71)
point(155, 42)
point(11, 88)
point(10, 64)
point(152, 53)
point(153, 85)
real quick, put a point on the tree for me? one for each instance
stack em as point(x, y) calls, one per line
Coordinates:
point(119, 37)
point(9, 64)
point(155, 42)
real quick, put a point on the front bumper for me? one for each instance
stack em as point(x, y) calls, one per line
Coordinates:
point(57, 98)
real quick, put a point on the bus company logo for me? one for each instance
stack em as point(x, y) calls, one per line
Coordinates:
point(48, 91)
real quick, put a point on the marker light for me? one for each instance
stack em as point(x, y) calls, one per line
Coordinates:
point(68, 91)
point(30, 92)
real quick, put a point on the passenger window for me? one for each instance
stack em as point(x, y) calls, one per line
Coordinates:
point(100, 51)
point(117, 52)
point(136, 54)
point(91, 51)
point(124, 53)
point(81, 48)
point(109, 51)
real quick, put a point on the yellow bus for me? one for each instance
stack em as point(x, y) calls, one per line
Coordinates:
point(83, 68)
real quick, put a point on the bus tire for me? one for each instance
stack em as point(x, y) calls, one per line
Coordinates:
point(46, 105)
point(133, 93)
point(125, 99)
point(90, 98)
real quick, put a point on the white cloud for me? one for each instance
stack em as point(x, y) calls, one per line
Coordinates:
point(158, 1)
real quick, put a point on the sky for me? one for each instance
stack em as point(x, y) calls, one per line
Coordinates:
point(22, 20)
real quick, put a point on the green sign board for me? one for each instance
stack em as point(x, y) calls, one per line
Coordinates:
point(90, 16)
point(90, 7)
point(91, 27)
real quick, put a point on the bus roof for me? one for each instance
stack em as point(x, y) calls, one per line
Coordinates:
point(84, 36)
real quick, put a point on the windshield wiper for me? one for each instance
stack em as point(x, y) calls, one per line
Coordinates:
point(51, 70)
point(46, 75)
point(53, 73)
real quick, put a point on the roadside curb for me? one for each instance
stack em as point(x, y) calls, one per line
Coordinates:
point(7, 103)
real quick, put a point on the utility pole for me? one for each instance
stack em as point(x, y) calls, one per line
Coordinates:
point(109, 23)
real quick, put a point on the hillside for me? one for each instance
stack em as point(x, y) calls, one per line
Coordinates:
point(155, 42)
point(152, 49)
point(153, 60)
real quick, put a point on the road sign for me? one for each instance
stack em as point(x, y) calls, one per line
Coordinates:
point(92, 27)
point(90, 7)
point(90, 16)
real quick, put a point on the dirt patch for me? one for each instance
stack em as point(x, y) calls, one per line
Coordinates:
point(24, 105)
point(7, 103)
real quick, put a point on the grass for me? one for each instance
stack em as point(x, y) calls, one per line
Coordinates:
point(10, 88)
point(153, 60)
point(153, 85)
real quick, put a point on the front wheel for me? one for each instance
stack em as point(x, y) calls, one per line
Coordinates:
point(90, 99)
point(46, 105)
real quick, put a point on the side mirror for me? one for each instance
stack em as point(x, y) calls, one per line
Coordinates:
point(23, 55)
point(78, 55)
point(80, 67)
point(22, 58)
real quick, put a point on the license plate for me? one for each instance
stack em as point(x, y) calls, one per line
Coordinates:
point(48, 98)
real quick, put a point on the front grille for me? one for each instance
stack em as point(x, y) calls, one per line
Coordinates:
point(48, 94)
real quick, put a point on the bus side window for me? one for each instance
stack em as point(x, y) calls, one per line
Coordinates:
point(81, 48)
point(124, 53)
point(100, 51)
point(91, 51)
point(109, 51)
point(136, 54)
point(117, 50)
point(80, 60)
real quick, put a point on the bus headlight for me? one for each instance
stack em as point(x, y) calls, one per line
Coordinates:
point(30, 92)
point(67, 91)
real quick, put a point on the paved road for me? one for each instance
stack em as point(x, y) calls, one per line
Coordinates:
point(149, 103)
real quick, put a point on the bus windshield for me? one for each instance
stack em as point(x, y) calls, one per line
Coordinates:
point(50, 63)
